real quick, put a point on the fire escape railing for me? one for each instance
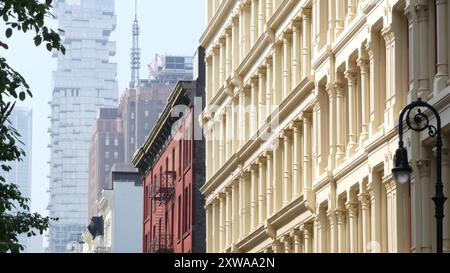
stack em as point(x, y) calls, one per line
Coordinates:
point(163, 191)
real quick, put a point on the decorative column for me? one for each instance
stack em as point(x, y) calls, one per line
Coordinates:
point(253, 22)
point(235, 43)
point(277, 75)
point(269, 9)
point(261, 96)
point(209, 11)
point(363, 65)
point(296, 69)
point(234, 125)
point(261, 16)
point(254, 198)
point(269, 181)
point(215, 146)
point(374, 188)
point(277, 175)
point(247, 202)
point(228, 131)
point(424, 81)
point(241, 33)
point(333, 231)
point(308, 237)
point(340, 146)
point(425, 206)
point(351, 12)
point(209, 228)
point(215, 72)
point(287, 64)
point(222, 62)
point(350, 75)
point(339, 18)
point(307, 166)
point(242, 221)
point(247, 28)
point(332, 128)
point(262, 190)
point(229, 53)
point(221, 222)
point(235, 211)
point(364, 199)
point(352, 208)
point(277, 246)
point(269, 86)
point(298, 245)
point(442, 12)
point(287, 243)
point(242, 117)
point(297, 164)
point(215, 225)
point(376, 104)
point(228, 217)
point(254, 108)
point(331, 21)
point(287, 165)
point(341, 225)
point(306, 39)
point(221, 139)
point(208, 91)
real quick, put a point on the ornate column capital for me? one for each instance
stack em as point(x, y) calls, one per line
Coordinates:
point(306, 228)
point(352, 208)
point(350, 75)
point(364, 198)
point(306, 13)
point(363, 64)
point(340, 215)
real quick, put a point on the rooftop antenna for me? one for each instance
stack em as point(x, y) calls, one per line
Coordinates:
point(135, 51)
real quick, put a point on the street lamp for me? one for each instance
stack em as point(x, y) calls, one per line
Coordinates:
point(402, 171)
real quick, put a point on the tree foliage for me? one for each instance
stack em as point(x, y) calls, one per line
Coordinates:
point(15, 216)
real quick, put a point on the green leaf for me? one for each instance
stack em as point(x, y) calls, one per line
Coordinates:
point(49, 47)
point(8, 32)
point(37, 40)
point(22, 96)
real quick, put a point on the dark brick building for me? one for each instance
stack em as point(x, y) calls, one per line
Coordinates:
point(171, 161)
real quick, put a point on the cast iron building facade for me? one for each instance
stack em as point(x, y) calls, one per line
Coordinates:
point(85, 81)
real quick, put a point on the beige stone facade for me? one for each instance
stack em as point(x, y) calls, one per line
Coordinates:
point(302, 103)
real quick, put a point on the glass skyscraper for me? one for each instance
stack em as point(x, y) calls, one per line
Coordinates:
point(85, 81)
point(20, 174)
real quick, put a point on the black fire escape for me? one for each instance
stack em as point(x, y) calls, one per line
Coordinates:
point(163, 191)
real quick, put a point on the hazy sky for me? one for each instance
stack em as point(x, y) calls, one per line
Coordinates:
point(167, 26)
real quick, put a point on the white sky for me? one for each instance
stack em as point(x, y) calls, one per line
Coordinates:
point(167, 26)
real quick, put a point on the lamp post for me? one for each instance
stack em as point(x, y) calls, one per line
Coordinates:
point(402, 171)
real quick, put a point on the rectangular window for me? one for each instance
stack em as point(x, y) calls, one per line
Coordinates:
point(106, 155)
point(107, 141)
point(146, 113)
point(185, 210)
point(132, 115)
point(116, 155)
point(179, 217)
point(116, 141)
point(173, 159)
point(131, 140)
point(107, 168)
point(146, 127)
point(179, 157)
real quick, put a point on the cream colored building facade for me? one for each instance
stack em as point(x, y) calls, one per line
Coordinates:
point(302, 103)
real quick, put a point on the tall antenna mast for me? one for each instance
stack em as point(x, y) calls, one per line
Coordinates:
point(135, 52)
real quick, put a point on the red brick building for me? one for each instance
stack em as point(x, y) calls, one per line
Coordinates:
point(172, 163)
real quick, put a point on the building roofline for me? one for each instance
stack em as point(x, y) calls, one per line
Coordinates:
point(147, 154)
